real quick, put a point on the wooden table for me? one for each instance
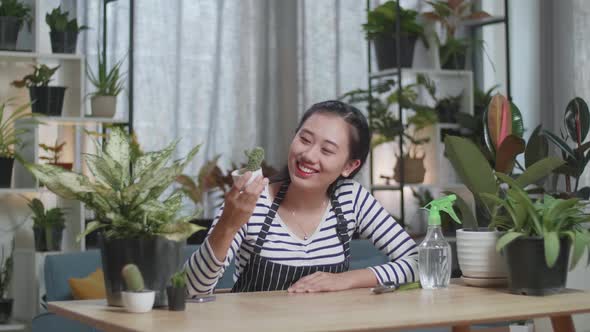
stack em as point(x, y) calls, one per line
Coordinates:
point(355, 310)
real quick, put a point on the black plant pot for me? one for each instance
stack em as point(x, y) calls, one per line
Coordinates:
point(6, 165)
point(47, 100)
point(385, 49)
point(156, 257)
point(456, 61)
point(446, 110)
point(176, 298)
point(199, 237)
point(48, 239)
point(528, 273)
point(63, 42)
point(5, 310)
point(9, 29)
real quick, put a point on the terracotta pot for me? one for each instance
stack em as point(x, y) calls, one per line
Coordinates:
point(414, 170)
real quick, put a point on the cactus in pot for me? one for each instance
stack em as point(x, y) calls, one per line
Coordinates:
point(136, 299)
point(255, 158)
point(177, 291)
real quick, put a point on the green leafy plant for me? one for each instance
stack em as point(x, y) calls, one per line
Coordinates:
point(10, 135)
point(255, 158)
point(6, 266)
point(446, 107)
point(58, 21)
point(381, 21)
point(126, 188)
point(178, 279)
point(41, 76)
point(107, 82)
point(52, 218)
point(473, 125)
point(576, 120)
point(548, 218)
point(133, 278)
point(14, 8)
point(53, 150)
point(423, 196)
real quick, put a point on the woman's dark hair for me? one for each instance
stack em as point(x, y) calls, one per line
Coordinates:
point(360, 134)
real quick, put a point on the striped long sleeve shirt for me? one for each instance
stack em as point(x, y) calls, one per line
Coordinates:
point(323, 247)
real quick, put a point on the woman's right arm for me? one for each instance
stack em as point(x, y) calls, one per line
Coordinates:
point(207, 264)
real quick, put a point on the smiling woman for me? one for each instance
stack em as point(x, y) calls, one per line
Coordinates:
point(294, 232)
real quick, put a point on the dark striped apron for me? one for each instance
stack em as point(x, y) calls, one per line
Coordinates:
point(260, 274)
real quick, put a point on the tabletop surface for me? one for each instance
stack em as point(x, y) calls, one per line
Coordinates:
point(352, 310)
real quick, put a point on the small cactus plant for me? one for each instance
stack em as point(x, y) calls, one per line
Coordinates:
point(255, 158)
point(133, 278)
point(178, 279)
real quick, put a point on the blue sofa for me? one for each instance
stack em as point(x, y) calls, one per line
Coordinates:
point(59, 268)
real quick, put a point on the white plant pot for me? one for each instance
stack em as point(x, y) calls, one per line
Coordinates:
point(477, 255)
point(138, 302)
point(238, 172)
point(103, 106)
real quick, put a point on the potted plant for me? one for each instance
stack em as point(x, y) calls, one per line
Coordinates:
point(136, 226)
point(450, 14)
point(6, 264)
point(12, 16)
point(479, 262)
point(255, 158)
point(472, 125)
point(381, 29)
point(539, 237)
point(47, 100)
point(55, 155)
point(177, 291)
point(447, 107)
point(63, 32)
point(136, 298)
point(48, 226)
point(576, 121)
point(11, 138)
point(108, 84)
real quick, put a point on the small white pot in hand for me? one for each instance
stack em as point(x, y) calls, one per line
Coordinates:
point(138, 302)
point(239, 172)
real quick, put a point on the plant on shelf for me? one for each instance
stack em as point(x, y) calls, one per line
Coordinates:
point(472, 126)
point(54, 156)
point(13, 14)
point(386, 126)
point(63, 32)
point(125, 195)
point(6, 267)
point(109, 84)
point(381, 29)
point(48, 226)
point(136, 298)
point(446, 108)
point(451, 14)
point(11, 137)
point(539, 237)
point(177, 291)
point(576, 122)
point(47, 100)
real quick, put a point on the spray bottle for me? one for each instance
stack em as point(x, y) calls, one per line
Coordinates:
point(434, 253)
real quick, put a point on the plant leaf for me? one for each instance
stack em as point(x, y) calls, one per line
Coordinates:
point(560, 143)
point(505, 239)
point(510, 147)
point(499, 120)
point(551, 248)
point(469, 220)
point(538, 170)
point(90, 227)
point(577, 112)
point(537, 148)
point(517, 123)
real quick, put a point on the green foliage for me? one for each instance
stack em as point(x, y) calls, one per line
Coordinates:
point(423, 196)
point(548, 218)
point(107, 82)
point(14, 8)
point(178, 279)
point(451, 103)
point(52, 218)
point(125, 190)
point(451, 13)
point(6, 265)
point(41, 76)
point(58, 21)
point(53, 150)
point(133, 278)
point(10, 135)
point(255, 158)
point(381, 22)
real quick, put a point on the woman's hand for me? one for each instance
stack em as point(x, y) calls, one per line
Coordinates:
point(321, 282)
point(240, 201)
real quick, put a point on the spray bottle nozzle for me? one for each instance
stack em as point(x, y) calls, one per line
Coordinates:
point(445, 204)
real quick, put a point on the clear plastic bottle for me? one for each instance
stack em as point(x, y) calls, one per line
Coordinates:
point(434, 253)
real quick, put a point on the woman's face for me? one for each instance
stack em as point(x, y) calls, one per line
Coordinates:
point(319, 153)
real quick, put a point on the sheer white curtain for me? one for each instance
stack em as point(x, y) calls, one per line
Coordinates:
point(232, 74)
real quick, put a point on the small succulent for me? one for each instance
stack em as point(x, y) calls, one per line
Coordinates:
point(133, 278)
point(255, 158)
point(178, 279)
